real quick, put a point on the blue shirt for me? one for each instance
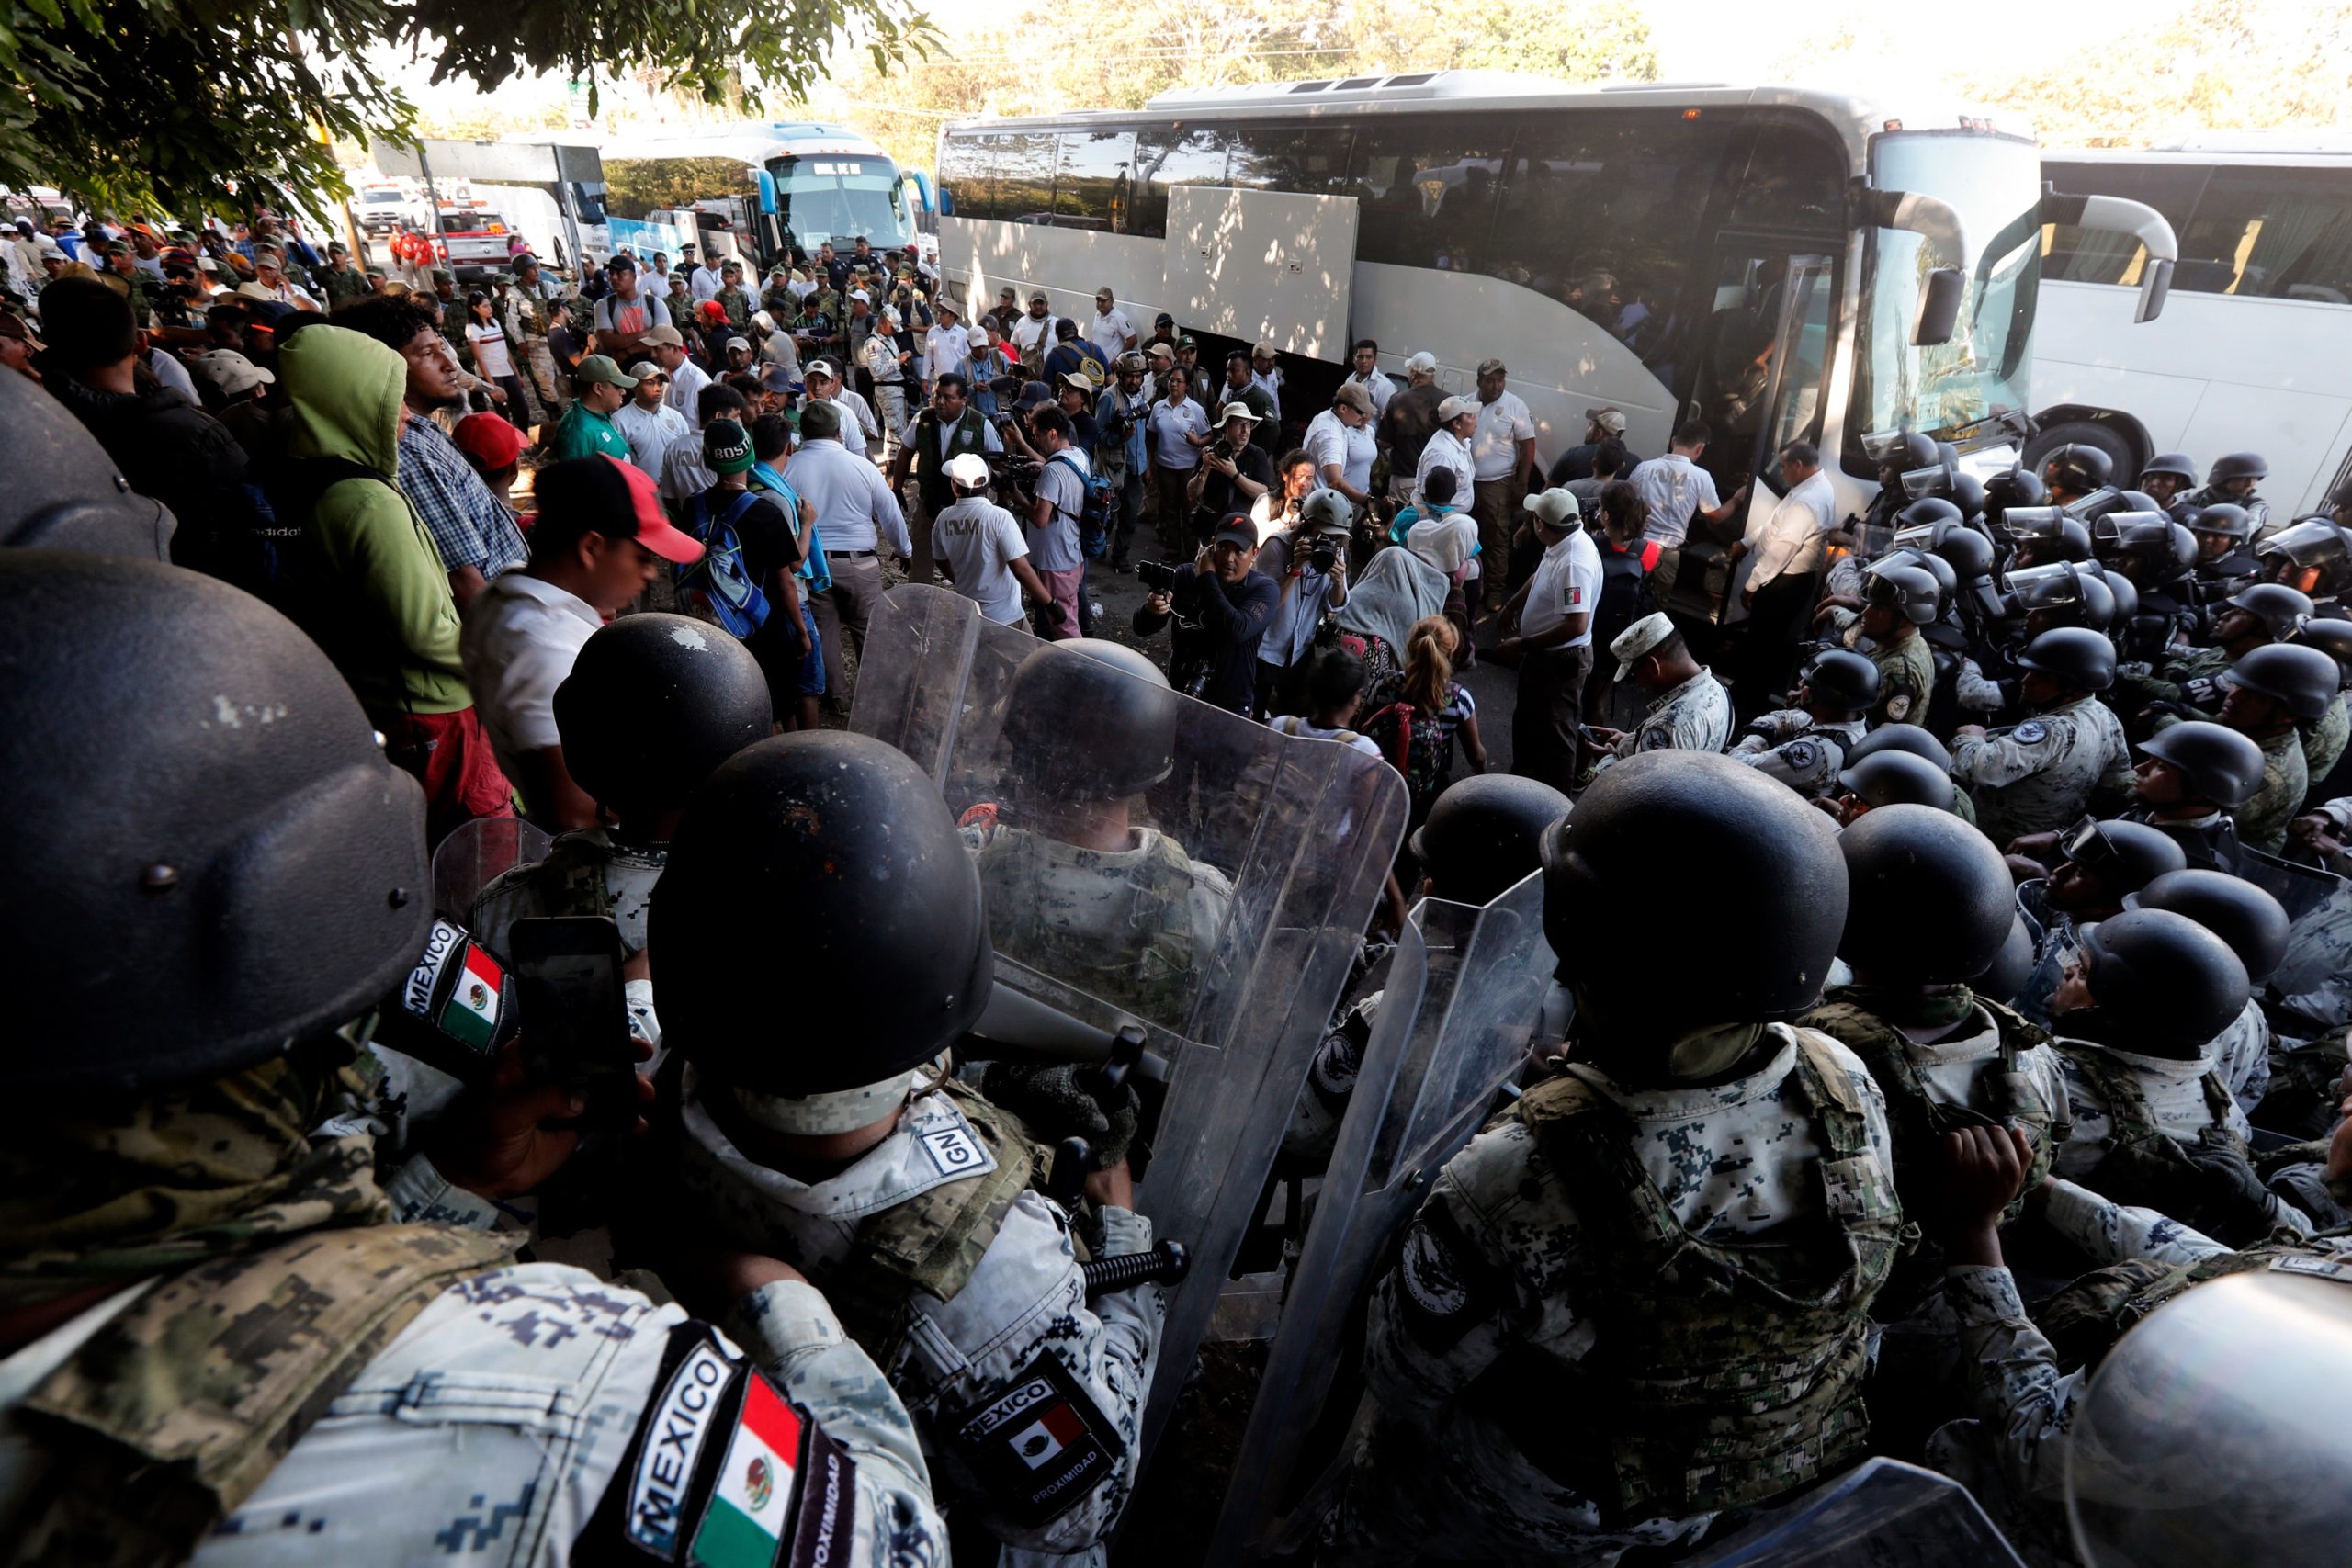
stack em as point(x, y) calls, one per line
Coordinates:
point(1105, 414)
point(468, 524)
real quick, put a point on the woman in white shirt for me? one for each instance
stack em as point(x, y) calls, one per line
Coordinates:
point(1178, 429)
point(494, 357)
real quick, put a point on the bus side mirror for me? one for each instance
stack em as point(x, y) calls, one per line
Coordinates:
point(1939, 307)
point(2155, 285)
point(2120, 215)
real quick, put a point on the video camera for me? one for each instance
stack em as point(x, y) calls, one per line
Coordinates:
point(1158, 576)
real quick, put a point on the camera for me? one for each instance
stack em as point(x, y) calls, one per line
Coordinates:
point(1323, 557)
point(1158, 576)
point(1221, 447)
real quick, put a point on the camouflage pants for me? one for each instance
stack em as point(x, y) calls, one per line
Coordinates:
point(538, 375)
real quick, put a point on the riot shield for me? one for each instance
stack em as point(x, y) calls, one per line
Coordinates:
point(474, 855)
point(1883, 1514)
point(1456, 1021)
point(1248, 864)
point(2313, 981)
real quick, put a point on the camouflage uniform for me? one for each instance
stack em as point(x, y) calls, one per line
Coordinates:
point(1694, 717)
point(1906, 678)
point(2038, 775)
point(529, 315)
point(1801, 751)
point(965, 1286)
point(2241, 1055)
point(2192, 678)
point(2324, 744)
point(1550, 1347)
point(2262, 821)
point(350, 283)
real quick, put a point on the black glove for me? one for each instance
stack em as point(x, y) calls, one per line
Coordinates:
point(1058, 1101)
point(2231, 1195)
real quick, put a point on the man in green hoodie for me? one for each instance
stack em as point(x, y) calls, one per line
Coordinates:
point(366, 580)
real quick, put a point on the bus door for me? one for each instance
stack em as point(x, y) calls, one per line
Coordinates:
point(1759, 385)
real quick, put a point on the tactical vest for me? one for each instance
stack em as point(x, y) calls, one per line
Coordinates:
point(1149, 965)
point(169, 1418)
point(931, 463)
point(2144, 1165)
point(1727, 1373)
point(1916, 1120)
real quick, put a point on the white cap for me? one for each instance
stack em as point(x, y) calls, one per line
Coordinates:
point(1557, 506)
point(1640, 638)
point(733, 343)
point(231, 371)
point(824, 368)
point(861, 296)
point(969, 469)
point(1422, 364)
point(1454, 408)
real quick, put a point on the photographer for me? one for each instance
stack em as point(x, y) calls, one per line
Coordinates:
point(1234, 471)
point(1309, 561)
point(1222, 608)
point(1119, 453)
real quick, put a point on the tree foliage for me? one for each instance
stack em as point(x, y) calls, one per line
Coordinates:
point(176, 103)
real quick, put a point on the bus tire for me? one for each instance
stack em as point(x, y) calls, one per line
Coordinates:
point(2085, 433)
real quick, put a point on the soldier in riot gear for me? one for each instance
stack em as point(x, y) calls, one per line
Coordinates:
point(2164, 476)
point(2074, 470)
point(2041, 772)
point(2225, 562)
point(1548, 1377)
point(2312, 556)
point(2274, 695)
point(2233, 479)
point(1803, 745)
point(2190, 781)
point(197, 1148)
point(2254, 925)
point(1895, 603)
point(2324, 747)
point(909, 1198)
point(1889, 778)
point(2261, 614)
point(2043, 535)
point(1908, 453)
point(2015, 488)
point(65, 492)
point(1918, 742)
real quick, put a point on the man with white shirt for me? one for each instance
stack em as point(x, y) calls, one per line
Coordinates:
point(1265, 370)
point(980, 548)
point(1339, 439)
point(648, 421)
point(858, 425)
point(703, 280)
point(947, 346)
point(1678, 490)
point(1780, 587)
point(1110, 331)
point(1364, 371)
point(687, 379)
point(854, 510)
point(1502, 464)
point(1033, 335)
point(1553, 641)
point(1448, 446)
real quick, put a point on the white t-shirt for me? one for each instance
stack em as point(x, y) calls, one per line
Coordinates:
point(1168, 424)
point(491, 357)
point(1443, 451)
point(652, 432)
point(979, 541)
point(1062, 481)
point(1333, 445)
point(1110, 334)
point(1493, 446)
point(1291, 724)
point(1788, 541)
point(1028, 329)
point(1677, 490)
point(687, 383)
point(1567, 583)
point(945, 349)
point(519, 641)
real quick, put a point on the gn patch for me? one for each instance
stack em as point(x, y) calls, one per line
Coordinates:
point(953, 1151)
point(1039, 1444)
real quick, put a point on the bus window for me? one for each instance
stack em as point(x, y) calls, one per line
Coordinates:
point(1093, 189)
point(1024, 176)
point(2070, 254)
point(2270, 231)
point(635, 186)
point(968, 175)
point(1428, 190)
point(1797, 180)
point(1308, 159)
point(1166, 158)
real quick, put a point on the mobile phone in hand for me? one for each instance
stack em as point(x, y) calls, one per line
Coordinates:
point(574, 1023)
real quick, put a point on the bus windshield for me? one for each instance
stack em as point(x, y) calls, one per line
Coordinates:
point(838, 197)
point(1995, 186)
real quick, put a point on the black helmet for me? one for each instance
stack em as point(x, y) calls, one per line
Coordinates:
point(1929, 900)
point(1841, 677)
point(834, 847)
point(1968, 494)
point(1898, 778)
point(1912, 452)
point(1908, 588)
point(1908, 738)
point(2303, 680)
point(2246, 917)
point(2098, 599)
point(2049, 532)
point(2124, 856)
point(2076, 466)
point(2153, 539)
point(2048, 587)
point(2177, 463)
point(2015, 488)
point(2124, 595)
point(1485, 834)
point(2238, 465)
point(2109, 502)
point(1926, 511)
point(2222, 518)
point(2330, 636)
point(2163, 978)
point(2274, 604)
point(2221, 764)
point(64, 491)
point(1921, 556)
point(2312, 541)
point(1966, 551)
point(2081, 657)
point(1090, 719)
point(1650, 829)
point(653, 704)
point(213, 858)
point(2012, 966)
point(2022, 522)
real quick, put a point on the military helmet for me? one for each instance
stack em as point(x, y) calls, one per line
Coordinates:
point(2275, 605)
point(2125, 856)
point(1921, 559)
point(653, 704)
point(1911, 452)
point(2221, 764)
point(2221, 519)
point(2163, 978)
point(1908, 588)
point(2015, 488)
point(1485, 834)
point(213, 857)
point(1931, 900)
point(1909, 738)
point(1838, 677)
point(2238, 465)
point(1966, 551)
point(2109, 502)
point(2076, 466)
point(1650, 829)
point(2162, 544)
point(2123, 594)
point(64, 491)
point(1898, 778)
point(2012, 966)
point(2098, 612)
point(2246, 917)
point(2175, 464)
point(836, 849)
point(2301, 680)
point(2081, 657)
point(1088, 718)
point(1968, 494)
point(1926, 511)
point(2330, 635)
point(2313, 543)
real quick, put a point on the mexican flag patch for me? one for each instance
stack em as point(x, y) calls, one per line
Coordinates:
point(471, 1012)
point(751, 1500)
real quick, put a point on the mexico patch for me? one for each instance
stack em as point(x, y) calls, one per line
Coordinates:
point(1039, 1444)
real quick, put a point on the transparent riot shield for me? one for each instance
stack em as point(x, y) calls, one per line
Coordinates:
point(477, 853)
point(2313, 981)
point(1883, 1514)
point(1213, 897)
point(1456, 1021)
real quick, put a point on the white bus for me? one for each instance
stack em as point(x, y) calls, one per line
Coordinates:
point(1755, 256)
point(817, 183)
point(2254, 351)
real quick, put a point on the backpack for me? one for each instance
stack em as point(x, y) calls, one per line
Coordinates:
point(717, 583)
point(1626, 592)
point(1417, 745)
point(1094, 514)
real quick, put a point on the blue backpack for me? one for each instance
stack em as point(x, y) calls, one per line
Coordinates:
point(1100, 497)
point(718, 582)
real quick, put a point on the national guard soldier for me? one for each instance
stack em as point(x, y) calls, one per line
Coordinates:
point(2231, 481)
point(1889, 778)
point(2075, 470)
point(2225, 560)
point(1076, 888)
point(2271, 696)
point(2164, 479)
point(1896, 601)
point(1804, 746)
point(218, 1344)
point(2254, 616)
point(1690, 710)
point(2190, 780)
point(850, 1151)
point(2313, 555)
point(1918, 742)
point(1640, 1298)
point(2254, 925)
point(2040, 774)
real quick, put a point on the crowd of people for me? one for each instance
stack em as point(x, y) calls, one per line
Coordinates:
point(2015, 804)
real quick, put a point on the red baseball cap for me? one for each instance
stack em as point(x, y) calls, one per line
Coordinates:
point(712, 310)
point(490, 439)
point(620, 501)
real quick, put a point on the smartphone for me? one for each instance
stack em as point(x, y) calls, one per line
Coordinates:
point(574, 1013)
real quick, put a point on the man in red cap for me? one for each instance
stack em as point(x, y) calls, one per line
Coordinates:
point(600, 541)
point(493, 447)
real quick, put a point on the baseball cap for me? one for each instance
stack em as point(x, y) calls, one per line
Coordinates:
point(969, 469)
point(732, 344)
point(1264, 351)
point(646, 371)
point(617, 499)
point(1640, 638)
point(229, 371)
point(1448, 410)
point(14, 326)
point(489, 440)
point(256, 291)
point(1039, 298)
point(825, 367)
point(1491, 368)
point(597, 367)
point(1352, 394)
point(1078, 378)
point(1160, 351)
point(947, 308)
point(1186, 342)
point(1235, 528)
point(441, 275)
point(1423, 362)
point(727, 447)
point(861, 296)
point(1610, 420)
point(819, 421)
point(777, 378)
point(623, 262)
point(1557, 506)
point(666, 336)
point(1237, 411)
point(712, 310)
point(1034, 393)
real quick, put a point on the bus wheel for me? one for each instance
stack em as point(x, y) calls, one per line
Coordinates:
point(2085, 433)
